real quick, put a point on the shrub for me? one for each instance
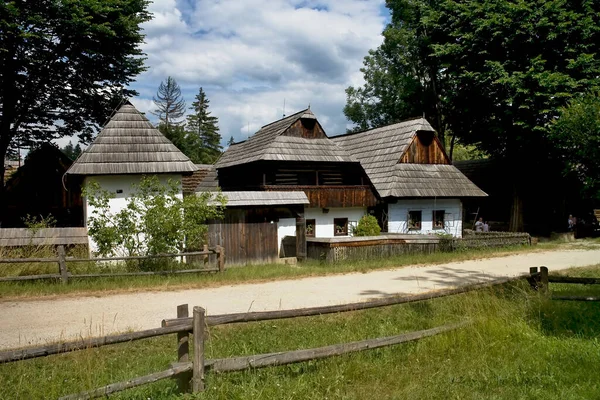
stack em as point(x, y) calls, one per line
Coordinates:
point(367, 226)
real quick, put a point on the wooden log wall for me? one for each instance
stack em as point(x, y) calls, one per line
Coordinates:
point(247, 242)
point(333, 196)
point(425, 149)
point(337, 252)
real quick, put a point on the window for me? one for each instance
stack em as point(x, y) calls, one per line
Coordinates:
point(414, 220)
point(311, 227)
point(340, 226)
point(438, 219)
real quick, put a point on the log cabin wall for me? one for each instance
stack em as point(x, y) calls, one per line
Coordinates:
point(425, 149)
point(306, 128)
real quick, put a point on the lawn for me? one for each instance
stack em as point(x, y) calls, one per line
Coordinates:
point(520, 345)
point(234, 275)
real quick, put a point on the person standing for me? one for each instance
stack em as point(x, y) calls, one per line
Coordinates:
point(479, 225)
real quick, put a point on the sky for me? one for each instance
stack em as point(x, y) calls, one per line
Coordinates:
point(251, 56)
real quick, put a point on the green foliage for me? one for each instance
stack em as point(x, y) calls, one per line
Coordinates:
point(169, 103)
point(204, 131)
point(156, 219)
point(72, 151)
point(576, 133)
point(367, 226)
point(35, 223)
point(494, 73)
point(65, 61)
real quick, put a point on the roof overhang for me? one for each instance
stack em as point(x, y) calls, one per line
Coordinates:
point(254, 198)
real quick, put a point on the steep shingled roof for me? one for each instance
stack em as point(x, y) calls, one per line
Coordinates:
point(129, 144)
point(379, 151)
point(269, 144)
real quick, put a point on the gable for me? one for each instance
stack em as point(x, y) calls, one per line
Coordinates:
point(306, 128)
point(425, 148)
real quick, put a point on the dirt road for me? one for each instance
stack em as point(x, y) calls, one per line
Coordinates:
point(39, 321)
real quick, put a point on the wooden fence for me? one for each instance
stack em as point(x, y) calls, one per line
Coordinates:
point(186, 371)
point(64, 275)
point(540, 280)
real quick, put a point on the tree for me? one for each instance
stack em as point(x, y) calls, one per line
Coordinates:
point(503, 70)
point(205, 129)
point(576, 134)
point(230, 141)
point(156, 220)
point(72, 151)
point(64, 66)
point(401, 79)
point(169, 102)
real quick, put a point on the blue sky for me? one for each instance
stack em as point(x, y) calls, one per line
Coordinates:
point(251, 55)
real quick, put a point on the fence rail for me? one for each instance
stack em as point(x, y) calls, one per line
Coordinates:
point(192, 373)
point(64, 275)
point(541, 281)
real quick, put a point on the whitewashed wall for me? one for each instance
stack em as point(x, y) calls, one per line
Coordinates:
point(285, 227)
point(324, 221)
point(398, 215)
point(122, 184)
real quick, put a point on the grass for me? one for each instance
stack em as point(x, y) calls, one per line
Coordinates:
point(520, 346)
point(234, 275)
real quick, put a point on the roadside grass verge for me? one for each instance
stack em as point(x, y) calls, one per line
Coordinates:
point(245, 274)
point(520, 345)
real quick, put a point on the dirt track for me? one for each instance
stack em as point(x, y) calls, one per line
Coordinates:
point(33, 322)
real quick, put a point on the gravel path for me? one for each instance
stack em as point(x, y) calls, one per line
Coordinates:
point(28, 322)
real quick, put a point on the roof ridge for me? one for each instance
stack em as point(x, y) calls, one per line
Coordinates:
point(281, 119)
point(379, 127)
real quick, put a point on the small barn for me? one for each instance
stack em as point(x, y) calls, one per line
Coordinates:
point(127, 148)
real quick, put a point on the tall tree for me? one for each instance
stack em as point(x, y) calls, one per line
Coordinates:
point(577, 135)
point(169, 102)
point(504, 68)
point(230, 141)
point(71, 151)
point(67, 61)
point(204, 126)
point(402, 80)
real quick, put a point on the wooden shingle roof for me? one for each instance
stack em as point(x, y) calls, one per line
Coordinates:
point(269, 144)
point(129, 144)
point(379, 151)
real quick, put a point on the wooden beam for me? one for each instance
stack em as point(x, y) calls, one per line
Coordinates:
point(576, 298)
point(570, 279)
point(198, 370)
point(62, 265)
point(183, 350)
point(131, 383)
point(289, 357)
point(212, 320)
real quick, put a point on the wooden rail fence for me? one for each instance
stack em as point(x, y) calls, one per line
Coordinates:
point(191, 374)
point(64, 275)
point(540, 280)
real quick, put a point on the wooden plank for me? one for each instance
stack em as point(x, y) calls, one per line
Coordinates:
point(29, 277)
point(289, 357)
point(576, 298)
point(28, 260)
point(198, 369)
point(143, 273)
point(192, 253)
point(572, 279)
point(131, 383)
point(183, 350)
point(544, 279)
point(223, 319)
point(301, 239)
point(65, 347)
point(62, 265)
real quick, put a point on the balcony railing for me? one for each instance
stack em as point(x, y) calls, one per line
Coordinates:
point(332, 196)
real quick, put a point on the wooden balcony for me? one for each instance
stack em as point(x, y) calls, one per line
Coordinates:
point(332, 196)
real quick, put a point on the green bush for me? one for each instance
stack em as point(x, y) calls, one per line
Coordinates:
point(367, 226)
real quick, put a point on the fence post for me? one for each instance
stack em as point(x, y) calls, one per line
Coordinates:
point(62, 264)
point(221, 258)
point(544, 279)
point(183, 350)
point(198, 370)
point(534, 278)
point(206, 256)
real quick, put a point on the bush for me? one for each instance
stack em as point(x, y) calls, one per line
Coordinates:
point(367, 226)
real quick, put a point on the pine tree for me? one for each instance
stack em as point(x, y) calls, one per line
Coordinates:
point(72, 151)
point(204, 129)
point(230, 141)
point(170, 105)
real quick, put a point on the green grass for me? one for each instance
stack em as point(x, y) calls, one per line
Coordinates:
point(519, 346)
point(235, 275)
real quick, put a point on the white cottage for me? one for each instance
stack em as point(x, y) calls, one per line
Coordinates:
point(128, 148)
point(420, 191)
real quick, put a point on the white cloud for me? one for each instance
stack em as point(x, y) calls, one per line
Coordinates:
point(251, 55)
